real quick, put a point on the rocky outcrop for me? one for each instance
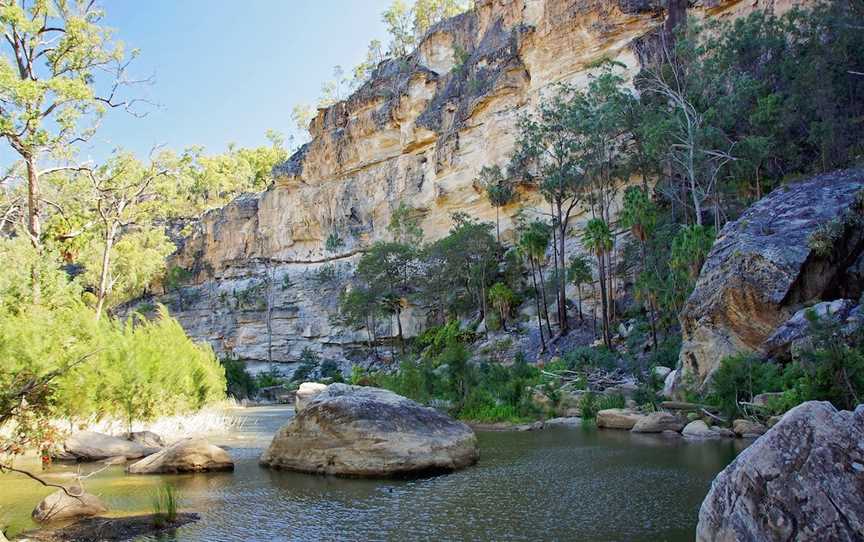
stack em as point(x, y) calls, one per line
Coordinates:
point(618, 418)
point(370, 432)
point(263, 284)
point(92, 446)
point(790, 249)
point(188, 455)
point(70, 504)
point(802, 480)
point(658, 422)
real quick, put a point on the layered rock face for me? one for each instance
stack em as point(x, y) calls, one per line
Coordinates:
point(370, 432)
point(264, 284)
point(801, 244)
point(802, 480)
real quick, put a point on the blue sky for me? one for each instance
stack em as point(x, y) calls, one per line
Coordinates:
point(226, 71)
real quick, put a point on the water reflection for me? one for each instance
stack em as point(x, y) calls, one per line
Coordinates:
point(565, 484)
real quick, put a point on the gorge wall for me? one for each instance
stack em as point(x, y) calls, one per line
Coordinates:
point(260, 283)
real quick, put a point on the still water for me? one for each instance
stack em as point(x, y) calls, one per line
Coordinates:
point(556, 484)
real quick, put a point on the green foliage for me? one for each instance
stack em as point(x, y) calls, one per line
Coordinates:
point(326, 274)
point(639, 213)
point(436, 338)
point(588, 405)
point(615, 400)
point(503, 299)
point(587, 357)
point(334, 242)
point(177, 277)
point(309, 361)
point(740, 378)
point(690, 247)
point(240, 384)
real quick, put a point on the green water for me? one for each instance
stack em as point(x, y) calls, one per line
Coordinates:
point(559, 484)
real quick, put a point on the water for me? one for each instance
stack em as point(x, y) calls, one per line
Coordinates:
point(558, 484)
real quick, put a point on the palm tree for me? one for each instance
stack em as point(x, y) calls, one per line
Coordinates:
point(597, 238)
point(640, 215)
point(499, 191)
point(533, 240)
point(579, 273)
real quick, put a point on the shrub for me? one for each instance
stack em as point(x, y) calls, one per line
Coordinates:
point(309, 361)
point(740, 378)
point(588, 405)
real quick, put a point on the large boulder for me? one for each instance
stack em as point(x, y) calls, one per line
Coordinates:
point(762, 269)
point(70, 504)
point(188, 455)
point(618, 418)
point(305, 393)
point(803, 480)
point(370, 432)
point(92, 446)
point(658, 422)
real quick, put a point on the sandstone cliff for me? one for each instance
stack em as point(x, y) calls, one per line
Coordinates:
point(262, 284)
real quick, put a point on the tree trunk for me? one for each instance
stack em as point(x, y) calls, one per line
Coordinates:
point(537, 302)
point(110, 233)
point(543, 295)
point(497, 225)
point(399, 330)
point(562, 275)
point(579, 293)
point(34, 222)
point(650, 304)
point(601, 262)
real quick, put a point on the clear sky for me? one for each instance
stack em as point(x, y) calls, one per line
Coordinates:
point(226, 71)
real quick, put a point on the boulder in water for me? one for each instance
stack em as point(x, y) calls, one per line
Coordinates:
point(658, 422)
point(188, 455)
point(698, 429)
point(92, 446)
point(62, 505)
point(618, 418)
point(369, 432)
point(802, 480)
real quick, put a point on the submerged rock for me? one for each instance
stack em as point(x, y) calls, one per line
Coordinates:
point(92, 446)
point(802, 480)
point(572, 421)
point(618, 418)
point(370, 432)
point(305, 393)
point(188, 455)
point(60, 505)
point(658, 422)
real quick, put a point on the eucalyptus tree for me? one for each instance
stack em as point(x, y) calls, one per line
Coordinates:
point(60, 71)
point(597, 237)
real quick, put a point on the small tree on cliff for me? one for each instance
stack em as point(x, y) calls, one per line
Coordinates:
point(499, 190)
point(59, 73)
point(533, 242)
